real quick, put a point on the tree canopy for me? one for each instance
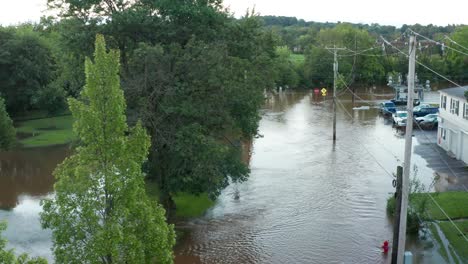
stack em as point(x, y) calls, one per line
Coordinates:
point(101, 213)
point(26, 68)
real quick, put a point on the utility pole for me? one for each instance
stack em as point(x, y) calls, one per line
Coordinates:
point(335, 77)
point(396, 222)
point(408, 148)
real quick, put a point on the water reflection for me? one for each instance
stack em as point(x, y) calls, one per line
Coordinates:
point(27, 172)
point(308, 201)
point(24, 232)
point(25, 178)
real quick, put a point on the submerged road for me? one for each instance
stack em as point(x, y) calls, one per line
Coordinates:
point(307, 200)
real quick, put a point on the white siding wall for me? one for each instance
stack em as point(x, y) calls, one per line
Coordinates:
point(455, 126)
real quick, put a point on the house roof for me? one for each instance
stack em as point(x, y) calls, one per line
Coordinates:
point(456, 91)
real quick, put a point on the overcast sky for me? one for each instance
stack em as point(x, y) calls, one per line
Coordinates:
point(395, 12)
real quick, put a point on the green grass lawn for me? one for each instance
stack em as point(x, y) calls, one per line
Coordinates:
point(46, 131)
point(443, 252)
point(297, 58)
point(187, 205)
point(459, 244)
point(455, 204)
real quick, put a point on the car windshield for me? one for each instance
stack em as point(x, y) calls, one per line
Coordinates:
point(389, 104)
point(402, 114)
point(419, 107)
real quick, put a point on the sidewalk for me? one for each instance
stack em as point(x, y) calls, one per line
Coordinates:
point(453, 173)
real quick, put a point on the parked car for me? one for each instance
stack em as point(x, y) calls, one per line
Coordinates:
point(387, 108)
point(403, 101)
point(399, 118)
point(425, 109)
point(429, 121)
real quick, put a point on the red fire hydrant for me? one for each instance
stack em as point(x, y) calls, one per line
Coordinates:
point(385, 247)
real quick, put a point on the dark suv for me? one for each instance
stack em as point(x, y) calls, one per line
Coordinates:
point(425, 109)
point(387, 108)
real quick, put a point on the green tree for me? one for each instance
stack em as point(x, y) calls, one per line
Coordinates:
point(7, 131)
point(287, 75)
point(199, 101)
point(9, 257)
point(362, 68)
point(26, 67)
point(458, 63)
point(101, 213)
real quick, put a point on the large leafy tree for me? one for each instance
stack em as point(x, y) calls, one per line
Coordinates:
point(26, 68)
point(7, 131)
point(100, 213)
point(199, 101)
point(194, 75)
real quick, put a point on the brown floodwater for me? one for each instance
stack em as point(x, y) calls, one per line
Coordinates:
point(25, 178)
point(306, 201)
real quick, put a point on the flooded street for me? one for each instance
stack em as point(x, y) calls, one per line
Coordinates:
point(306, 201)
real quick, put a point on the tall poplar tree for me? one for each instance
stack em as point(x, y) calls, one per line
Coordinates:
point(100, 213)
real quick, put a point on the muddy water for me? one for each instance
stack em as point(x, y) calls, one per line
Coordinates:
point(306, 201)
point(25, 178)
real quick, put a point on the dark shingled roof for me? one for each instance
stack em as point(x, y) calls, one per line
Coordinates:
point(456, 91)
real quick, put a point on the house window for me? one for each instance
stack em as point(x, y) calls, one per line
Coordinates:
point(443, 132)
point(454, 105)
point(443, 102)
point(465, 110)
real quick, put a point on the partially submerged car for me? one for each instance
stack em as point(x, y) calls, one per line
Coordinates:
point(399, 118)
point(428, 122)
point(387, 108)
point(424, 109)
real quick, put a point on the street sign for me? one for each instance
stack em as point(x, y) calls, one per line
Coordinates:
point(324, 92)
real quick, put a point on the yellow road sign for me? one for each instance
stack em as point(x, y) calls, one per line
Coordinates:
point(324, 92)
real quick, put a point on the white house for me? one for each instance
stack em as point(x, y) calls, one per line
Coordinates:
point(453, 124)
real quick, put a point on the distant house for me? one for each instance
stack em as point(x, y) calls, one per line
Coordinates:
point(453, 124)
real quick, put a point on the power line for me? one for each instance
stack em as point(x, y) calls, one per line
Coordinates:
point(454, 42)
point(438, 43)
point(404, 190)
point(440, 155)
point(448, 217)
point(363, 146)
point(422, 64)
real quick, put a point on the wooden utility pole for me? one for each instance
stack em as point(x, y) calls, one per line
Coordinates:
point(408, 148)
point(396, 222)
point(335, 78)
point(335, 75)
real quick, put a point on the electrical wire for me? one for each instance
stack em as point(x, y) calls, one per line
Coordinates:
point(436, 42)
point(454, 42)
point(405, 190)
point(427, 67)
point(440, 155)
point(362, 145)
